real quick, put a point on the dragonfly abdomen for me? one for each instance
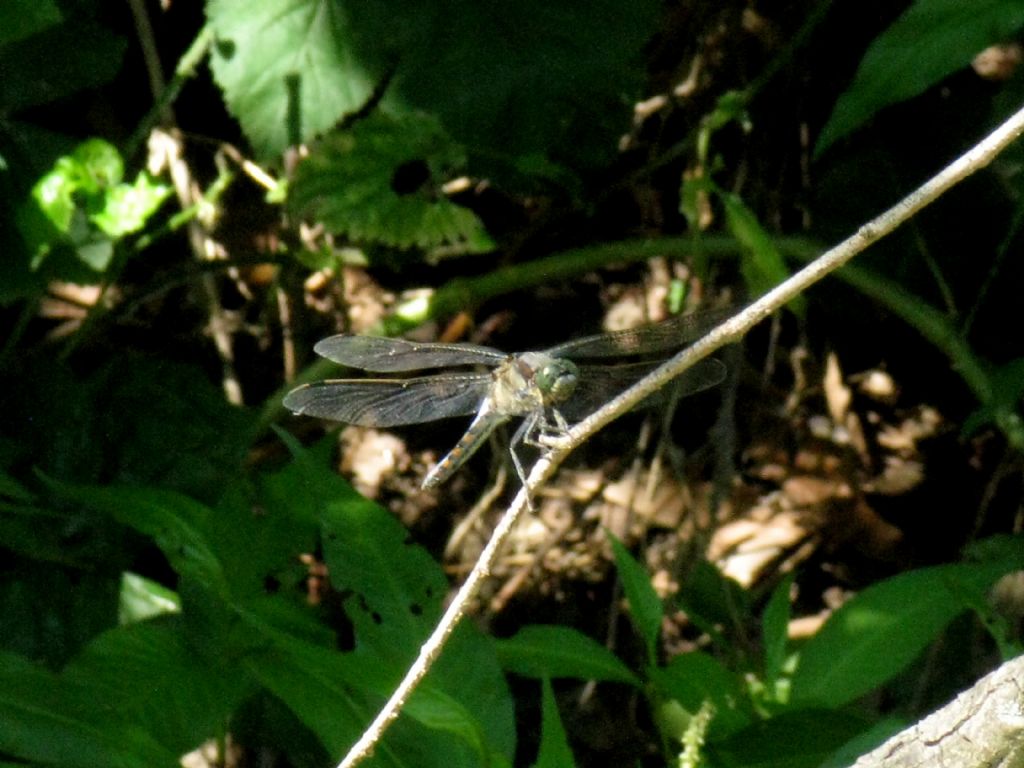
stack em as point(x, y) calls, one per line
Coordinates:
point(485, 422)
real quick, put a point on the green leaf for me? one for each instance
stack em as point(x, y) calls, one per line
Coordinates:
point(880, 631)
point(397, 587)
point(56, 62)
point(393, 592)
point(865, 741)
point(291, 71)
point(1007, 386)
point(644, 604)
point(775, 631)
point(81, 203)
point(174, 521)
point(554, 749)
point(694, 678)
point(556, 652)
point(143, 598)
point(762, 264)
point(800, 739)
point(23, 18)
point(713, 598)
point(337, 694)
point(932, 39)
point(45, 718)
point(508, 81)
point(51, 612)
point(381, 182)
point(556, 79)
point(127, 207)
point(181, 435)
point(150, 674)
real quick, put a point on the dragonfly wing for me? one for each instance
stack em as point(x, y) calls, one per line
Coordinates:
point(384, 355)
point(674, 333)
point(391, 402)
point(600, 383)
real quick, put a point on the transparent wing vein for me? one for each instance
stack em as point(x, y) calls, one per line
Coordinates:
point(384, 355)
point(391, 402)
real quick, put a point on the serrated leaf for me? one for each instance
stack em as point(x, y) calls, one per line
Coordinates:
point(289, 71)
point(353, 183)
point(508, 80)
point(556, 652)
point(932, 39)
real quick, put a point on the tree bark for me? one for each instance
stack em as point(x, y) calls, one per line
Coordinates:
point(983, 727)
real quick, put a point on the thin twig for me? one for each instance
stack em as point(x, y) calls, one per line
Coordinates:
point(727, 333)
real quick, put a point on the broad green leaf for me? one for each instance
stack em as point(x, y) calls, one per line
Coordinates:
point(694, 678)
point(290, 71)
point(328, 691)
point(181, 434)
point(644, 604)
point(381, 183)
point(153, 676)
point(880, 631)
point(932, 39)
point(508, 81)
point(45, 718)
point(393, 592)
point(12, 489)
point(174, 521)
point(56, 62)
point(397, 589)
point(556, 79)
point(798, 739)
point(554, 749)
point(865, 741)
point(23, 18)
point(556, 652)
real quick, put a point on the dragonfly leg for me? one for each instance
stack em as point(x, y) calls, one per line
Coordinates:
point(522, 435)
point(547, 434)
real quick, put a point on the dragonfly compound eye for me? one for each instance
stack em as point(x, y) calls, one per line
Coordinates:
point(557, 380)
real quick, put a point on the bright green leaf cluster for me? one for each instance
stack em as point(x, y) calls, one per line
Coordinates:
point(82, 203)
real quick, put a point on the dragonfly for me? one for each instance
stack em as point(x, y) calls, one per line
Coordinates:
point(547, 388)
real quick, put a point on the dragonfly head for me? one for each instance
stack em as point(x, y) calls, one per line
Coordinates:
point(557, 380)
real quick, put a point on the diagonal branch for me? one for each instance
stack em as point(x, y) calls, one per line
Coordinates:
point(727, 333)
